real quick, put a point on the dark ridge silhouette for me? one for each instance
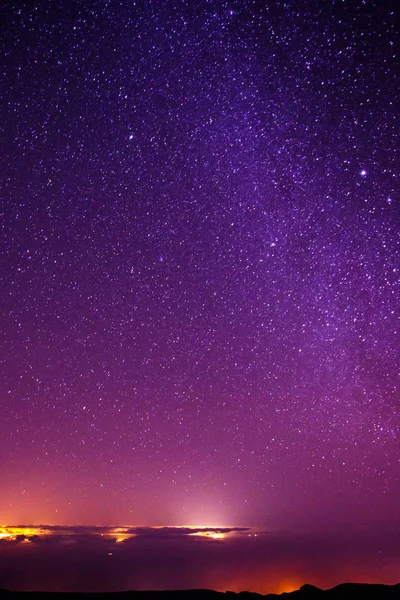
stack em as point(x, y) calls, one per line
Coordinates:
point(344, 591)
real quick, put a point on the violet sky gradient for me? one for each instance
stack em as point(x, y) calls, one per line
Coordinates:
point(200, 206)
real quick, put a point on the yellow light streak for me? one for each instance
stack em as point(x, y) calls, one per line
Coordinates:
point(11, 533)
point(120, 534)
point(214, 535)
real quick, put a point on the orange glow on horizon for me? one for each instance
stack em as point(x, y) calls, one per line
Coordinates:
point(288, 586)
point(118, 534)
point(11, 533)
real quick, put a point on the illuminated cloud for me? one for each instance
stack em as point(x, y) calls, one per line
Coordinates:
point(92, 559)
point(117, 534)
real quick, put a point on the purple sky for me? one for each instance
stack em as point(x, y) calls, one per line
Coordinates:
point(200, 265)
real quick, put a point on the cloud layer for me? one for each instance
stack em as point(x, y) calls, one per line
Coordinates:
point(121, 558)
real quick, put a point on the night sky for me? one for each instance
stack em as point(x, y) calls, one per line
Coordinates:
point(200, 212)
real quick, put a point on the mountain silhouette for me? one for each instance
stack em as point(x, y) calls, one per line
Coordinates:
point(344, 591)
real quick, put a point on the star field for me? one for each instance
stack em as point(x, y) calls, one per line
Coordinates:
point(200, 264)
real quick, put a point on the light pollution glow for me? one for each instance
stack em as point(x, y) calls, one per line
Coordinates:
point(118, 534)
point(236, 559)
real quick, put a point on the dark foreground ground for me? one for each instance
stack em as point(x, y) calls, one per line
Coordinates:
point(358, 591)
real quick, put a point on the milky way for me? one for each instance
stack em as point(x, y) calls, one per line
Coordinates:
point(200, 264)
